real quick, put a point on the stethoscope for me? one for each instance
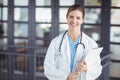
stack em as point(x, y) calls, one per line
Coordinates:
point(80, 43)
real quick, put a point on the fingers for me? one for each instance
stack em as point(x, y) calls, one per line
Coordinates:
point(84, 62)
point(82, 67)
point(74, 76)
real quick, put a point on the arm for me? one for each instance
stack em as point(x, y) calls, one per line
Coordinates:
point(50, 70)
point(94, 68)
point(91, 70)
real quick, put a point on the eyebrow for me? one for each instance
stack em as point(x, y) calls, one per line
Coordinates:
point(76, 16)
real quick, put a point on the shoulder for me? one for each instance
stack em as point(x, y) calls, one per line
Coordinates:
point(54, 44)
point(57, 39)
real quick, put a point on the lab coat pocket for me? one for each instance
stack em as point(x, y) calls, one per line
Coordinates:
point(57, 58)
point(61, 61)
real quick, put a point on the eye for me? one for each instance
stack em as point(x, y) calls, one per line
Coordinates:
point(70, 16)
point(78, 18)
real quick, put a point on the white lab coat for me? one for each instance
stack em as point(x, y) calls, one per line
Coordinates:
point(57, 65)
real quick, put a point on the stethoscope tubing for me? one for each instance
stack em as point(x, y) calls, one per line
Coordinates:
point(62, 40)
point(77, 44)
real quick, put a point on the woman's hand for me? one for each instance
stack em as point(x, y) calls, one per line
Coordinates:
point(73, 76)
point(82, 67)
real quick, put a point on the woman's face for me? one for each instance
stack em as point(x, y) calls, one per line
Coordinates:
point(75, 19)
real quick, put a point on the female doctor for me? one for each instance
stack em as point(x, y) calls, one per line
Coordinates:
point(65, 56)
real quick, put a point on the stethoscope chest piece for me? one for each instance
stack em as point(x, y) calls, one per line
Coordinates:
point(58, 54)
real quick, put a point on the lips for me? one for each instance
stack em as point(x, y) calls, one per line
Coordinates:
point(73, 25)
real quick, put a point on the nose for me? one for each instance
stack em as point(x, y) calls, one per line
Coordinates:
point(74, 20)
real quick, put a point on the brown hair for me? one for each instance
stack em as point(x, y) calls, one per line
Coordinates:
point(76, 7)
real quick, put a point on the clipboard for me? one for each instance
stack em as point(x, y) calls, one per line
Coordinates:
point(93, 54)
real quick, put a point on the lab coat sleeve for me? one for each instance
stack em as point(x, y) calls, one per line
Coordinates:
point(94, 69)
point(50, 70)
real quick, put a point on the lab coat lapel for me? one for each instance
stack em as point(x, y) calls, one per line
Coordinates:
point(66, 49)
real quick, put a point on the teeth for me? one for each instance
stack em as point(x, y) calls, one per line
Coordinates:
point(73, 24)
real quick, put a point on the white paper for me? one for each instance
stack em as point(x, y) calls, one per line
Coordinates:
point(93, 54)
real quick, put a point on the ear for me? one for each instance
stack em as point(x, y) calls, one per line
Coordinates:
point(82, 21)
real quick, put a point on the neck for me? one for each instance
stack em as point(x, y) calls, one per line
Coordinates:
point(74, 34)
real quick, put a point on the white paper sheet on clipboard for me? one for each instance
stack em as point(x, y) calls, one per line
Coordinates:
point(93, 54)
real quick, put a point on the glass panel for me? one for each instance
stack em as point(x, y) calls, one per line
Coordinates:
point(3, 13)
point(0, 13)
point(39, 43)
point(21, 14)
point(92, 31)
point(114, 70)
point(4, 2)
point(21, 2)
point(40, 61)
point(3, 42)
point(3, 29)
point(63, 27)
point(115, 3)
point(1, 2)
point(43, 2)
point(93, 2)
point(66, 2)
point(43, 43)
point(3, 32)
point(62, 14)
point(21, 64)
point(115, 34)
point(115, 16)
point(92, 15)
point(43, 30)
point(21, 30)
point(43, 14)
point(115, 49)
point(21, 43)
point(3, 65)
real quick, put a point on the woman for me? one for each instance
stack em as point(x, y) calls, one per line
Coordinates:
point(65, 56)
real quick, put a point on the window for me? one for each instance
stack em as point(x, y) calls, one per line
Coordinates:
point(63, 7)
point(115, 39)
point(92, 21)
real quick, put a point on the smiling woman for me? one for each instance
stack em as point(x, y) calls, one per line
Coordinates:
point(70, 47)
point(29, 26)
point(74, 20)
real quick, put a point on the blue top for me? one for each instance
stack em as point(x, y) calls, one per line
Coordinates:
point(73, 48)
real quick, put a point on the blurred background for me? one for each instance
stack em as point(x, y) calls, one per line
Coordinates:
point(28, 26)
